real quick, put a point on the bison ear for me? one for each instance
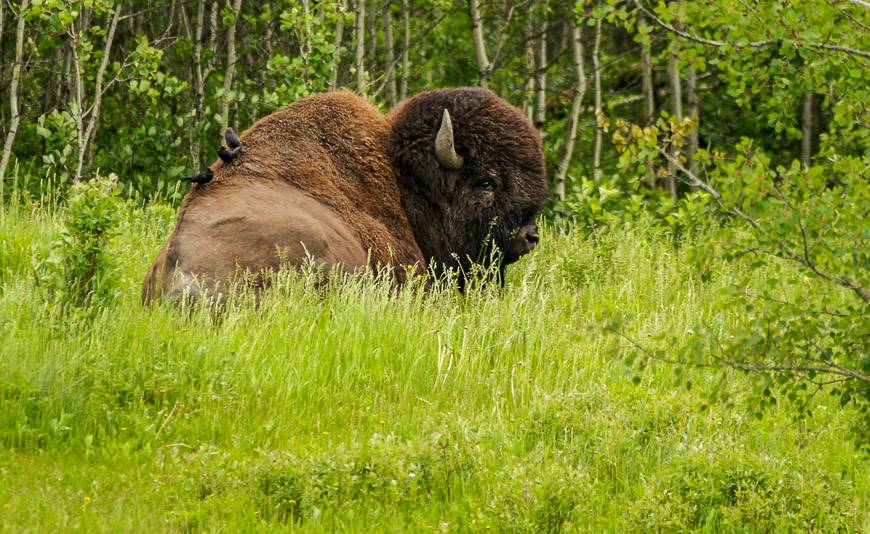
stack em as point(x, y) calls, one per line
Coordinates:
point(444, 149)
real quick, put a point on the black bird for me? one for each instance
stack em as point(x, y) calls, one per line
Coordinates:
point(227, 155)
point(202, 178)
point(233, 140)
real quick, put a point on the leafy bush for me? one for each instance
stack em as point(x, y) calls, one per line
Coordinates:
point(731, 490)
point(803, 228)
point(619, 202)
point(77, 270)
point(58, 132)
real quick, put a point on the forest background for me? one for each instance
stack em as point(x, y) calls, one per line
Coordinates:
point(143, 89)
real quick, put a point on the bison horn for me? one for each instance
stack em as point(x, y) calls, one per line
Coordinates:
point(444, 149)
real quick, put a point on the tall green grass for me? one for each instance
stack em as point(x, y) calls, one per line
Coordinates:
point(353, 406)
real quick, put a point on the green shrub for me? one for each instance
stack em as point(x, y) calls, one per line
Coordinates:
point(77, 270)
point(593, 206)
point(801, 301)
point(739, 492)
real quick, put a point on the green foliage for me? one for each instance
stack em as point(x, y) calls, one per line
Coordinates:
point(609, 204)
point(58, 133)
point(146, 152)
point(730, 492)
point(803, 225)
point(77, 271)
point(299, 75)
point(763, 61)
point(806, 228)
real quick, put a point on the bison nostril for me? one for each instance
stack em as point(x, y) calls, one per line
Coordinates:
point(533, 238)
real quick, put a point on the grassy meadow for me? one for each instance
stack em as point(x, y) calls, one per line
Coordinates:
point(355, 407)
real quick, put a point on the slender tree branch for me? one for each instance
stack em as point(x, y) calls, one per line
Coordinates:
point(576, 104)
point(406, 44)
point(389, 59)
point(784, 249)
point(768, 298)
point(846, 13)
point(599, 131)
point(695, 38)
point(405, 48)
point(751, 44)
point(483, 66)
point(336, 53)
point(359, 34)
point(15, 112)
point(230, 72)
point(828, 369)
point(94, 111)
point(503, 34)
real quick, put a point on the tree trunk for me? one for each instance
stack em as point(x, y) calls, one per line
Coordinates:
point(212, 34)
point(201, 73)
point(483, 66)
point(198, 82)
point(360, 30)
point(373, 35)
point(336, 53)
point(541, 73)
point(4, 123)
point(807, 120)
point(231, 66)
point(94, 118)
point(78, 94)
point(55, 89)
point(170, 20)
point(305, 49)
point(596, 64)
point(84, 134)
point(406, 45)
point(647, 83)
point(2, 26)
point(646, 76)
point(576, 103)
point(695, 114)
point(529, 83)
point(676, 92)
point(65, 88)
point(270, 32)
point(14, 112)
point(389, 54)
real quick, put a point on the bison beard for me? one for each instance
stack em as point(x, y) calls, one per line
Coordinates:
point(332, 178)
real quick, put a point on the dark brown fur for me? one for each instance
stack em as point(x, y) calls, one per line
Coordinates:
point(331, 177)
point(453, 221)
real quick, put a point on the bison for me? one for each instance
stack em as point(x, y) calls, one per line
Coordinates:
point(448, 179)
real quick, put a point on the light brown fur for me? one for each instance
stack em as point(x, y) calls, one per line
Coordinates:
point(314, 180)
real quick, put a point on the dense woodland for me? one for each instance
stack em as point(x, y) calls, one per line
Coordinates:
point(143, 88)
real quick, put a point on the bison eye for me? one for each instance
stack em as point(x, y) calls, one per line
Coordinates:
point(486, 185)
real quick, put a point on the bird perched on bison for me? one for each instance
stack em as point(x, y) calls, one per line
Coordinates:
point(441, 182)
point(233, 141)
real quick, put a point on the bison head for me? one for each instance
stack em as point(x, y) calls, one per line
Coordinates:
point(471, 174)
